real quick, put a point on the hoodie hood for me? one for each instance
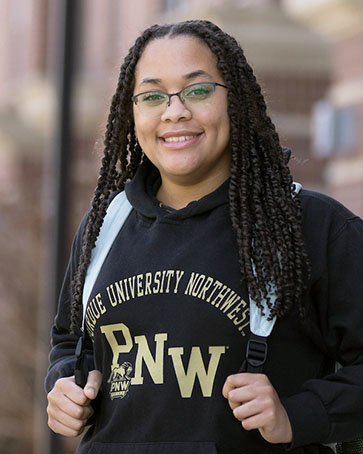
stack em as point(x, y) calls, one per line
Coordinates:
point(141, 193)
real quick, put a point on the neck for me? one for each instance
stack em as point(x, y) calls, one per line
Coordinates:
point(178, 195)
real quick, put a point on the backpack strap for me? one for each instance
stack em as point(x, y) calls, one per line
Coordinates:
point(260, 329)
point(260, 326)
point(116, 214)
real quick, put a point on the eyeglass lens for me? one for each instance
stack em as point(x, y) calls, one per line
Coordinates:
point(195, 96)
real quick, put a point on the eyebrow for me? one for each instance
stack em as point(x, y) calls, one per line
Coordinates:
point(198, 73)
point(192, 75)
point(150, 81)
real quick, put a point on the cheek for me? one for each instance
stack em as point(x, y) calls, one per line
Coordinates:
point(144, 128)
point(220, 126)
point(223, 122)
point(139, 121)
point(216, 119)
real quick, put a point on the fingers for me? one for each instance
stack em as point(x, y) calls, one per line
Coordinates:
point(241, 387)
point(68, 408)
point(63, 405)
point(256, 413)
point(256, 404)
point(242, 379)
point(256, 388)
point(65, 424)
point(93, 384)
point(67, 387)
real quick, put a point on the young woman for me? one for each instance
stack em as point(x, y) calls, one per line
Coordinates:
point(216, 223)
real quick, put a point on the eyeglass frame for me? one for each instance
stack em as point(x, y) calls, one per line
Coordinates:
point(169, 95)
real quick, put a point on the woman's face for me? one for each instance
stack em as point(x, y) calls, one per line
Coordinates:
point(187, 146)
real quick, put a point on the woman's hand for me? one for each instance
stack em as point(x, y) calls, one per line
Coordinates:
point(256, 404)
point(69, 406)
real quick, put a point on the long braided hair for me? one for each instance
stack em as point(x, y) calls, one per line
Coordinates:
point(265, 215)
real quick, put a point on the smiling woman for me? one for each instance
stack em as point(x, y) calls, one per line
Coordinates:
point(205, 232)
point(188, 140)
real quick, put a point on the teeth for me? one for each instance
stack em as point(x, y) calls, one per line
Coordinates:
point(178, 139)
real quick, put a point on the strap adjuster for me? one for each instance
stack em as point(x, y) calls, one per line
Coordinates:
point(79, 348)
point(256, 353)
point(81, 369)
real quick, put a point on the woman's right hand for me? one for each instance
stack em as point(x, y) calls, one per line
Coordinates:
point(69, 406)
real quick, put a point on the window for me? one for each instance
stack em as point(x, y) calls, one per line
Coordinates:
point(171, 5)
point(334, 130)
point(345, 129)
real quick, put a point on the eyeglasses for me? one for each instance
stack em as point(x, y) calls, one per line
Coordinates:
point(195, 97)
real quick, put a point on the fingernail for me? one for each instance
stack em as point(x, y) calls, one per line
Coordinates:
point(91, 392)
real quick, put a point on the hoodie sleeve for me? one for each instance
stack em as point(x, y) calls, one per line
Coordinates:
point(330, 409)
point(63, 343)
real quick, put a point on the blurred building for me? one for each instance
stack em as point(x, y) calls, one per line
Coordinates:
point(24, 105)
point(338, 119)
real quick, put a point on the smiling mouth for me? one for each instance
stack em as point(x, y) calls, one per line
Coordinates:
point(180, 138)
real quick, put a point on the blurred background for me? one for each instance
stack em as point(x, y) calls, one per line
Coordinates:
point(59, 63)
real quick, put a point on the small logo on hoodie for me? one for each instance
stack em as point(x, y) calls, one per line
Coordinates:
point(120, 379)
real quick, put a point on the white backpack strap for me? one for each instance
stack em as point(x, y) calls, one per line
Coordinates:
point(297, 187)
point(260, 326)
point(116, 215)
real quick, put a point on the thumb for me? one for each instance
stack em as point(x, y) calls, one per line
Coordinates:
point(93, 384)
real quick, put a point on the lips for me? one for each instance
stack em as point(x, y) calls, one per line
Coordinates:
point(180, 139)
point(179, 136)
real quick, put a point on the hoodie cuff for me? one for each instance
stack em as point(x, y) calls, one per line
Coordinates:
point(308, 418)
point(61, 368)
point(64, 367)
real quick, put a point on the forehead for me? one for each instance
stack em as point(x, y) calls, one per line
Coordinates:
point(168, 59)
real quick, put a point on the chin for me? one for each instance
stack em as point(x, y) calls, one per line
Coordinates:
point(181, 168)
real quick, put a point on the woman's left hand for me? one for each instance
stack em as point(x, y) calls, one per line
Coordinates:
point(256, 404)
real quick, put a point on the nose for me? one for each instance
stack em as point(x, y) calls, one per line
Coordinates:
point(176, 111)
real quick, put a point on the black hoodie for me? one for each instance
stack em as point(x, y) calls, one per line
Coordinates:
point(169, 321)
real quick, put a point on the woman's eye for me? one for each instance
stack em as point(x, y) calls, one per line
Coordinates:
point(200, 92)
point(151, 98)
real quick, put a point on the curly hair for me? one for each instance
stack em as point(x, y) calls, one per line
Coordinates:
point(265, 214)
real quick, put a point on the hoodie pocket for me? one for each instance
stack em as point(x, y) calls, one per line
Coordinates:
point(154, 448)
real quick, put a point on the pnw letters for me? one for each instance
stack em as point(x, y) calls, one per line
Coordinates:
point(195, 366)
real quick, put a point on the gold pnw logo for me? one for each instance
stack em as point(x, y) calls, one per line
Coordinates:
point(120, 379)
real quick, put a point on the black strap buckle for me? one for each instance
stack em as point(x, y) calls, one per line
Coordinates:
point(79, 348)
point(256, 354)
point(81, 369)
